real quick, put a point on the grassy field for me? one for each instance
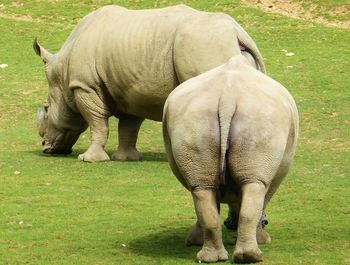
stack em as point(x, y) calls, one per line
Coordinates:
point(57, 210)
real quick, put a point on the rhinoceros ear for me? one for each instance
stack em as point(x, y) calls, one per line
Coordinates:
point(44, 54)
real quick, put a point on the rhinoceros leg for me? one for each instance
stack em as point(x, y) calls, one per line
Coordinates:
point(128, 129)
point(96, 115)
point(247, 250)
point(195, 237)
point(208, 216)
point(231, 223)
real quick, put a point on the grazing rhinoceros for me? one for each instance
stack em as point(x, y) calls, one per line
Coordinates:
point(124, 63)
point(230, 136)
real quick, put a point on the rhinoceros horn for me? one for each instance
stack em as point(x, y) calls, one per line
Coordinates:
point(40, 117)
point(43, 53)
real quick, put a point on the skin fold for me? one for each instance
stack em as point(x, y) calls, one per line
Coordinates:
point(230, 136)
point(124, 63)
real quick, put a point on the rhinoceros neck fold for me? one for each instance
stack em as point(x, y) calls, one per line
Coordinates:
point(59, 72)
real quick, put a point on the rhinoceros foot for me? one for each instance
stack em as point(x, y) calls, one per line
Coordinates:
point(95, 153)
point(262, 237)
point(210, 254)
point(247, 254)
point(126, 155)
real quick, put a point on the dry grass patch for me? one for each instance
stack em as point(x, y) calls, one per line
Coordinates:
point(304, 11)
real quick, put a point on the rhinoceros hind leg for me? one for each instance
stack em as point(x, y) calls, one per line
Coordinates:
point(195, 237)
point(247, 250)
point(213, 249)
point(128, 129)
point(231, 221)
point(126, 155)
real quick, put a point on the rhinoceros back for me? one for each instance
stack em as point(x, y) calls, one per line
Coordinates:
point(137, 57)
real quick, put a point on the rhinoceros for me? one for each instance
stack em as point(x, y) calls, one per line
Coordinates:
point(124, 63)
point(230, 136)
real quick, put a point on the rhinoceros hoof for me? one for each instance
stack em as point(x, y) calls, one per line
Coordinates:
point(93, 156)
point(262, 237)
point(207, 254)
point(132, 155)
point(247, 255)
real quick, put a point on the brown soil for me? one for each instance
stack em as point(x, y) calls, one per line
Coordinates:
point(283, 7)
point(296, 10)
point(16, 17)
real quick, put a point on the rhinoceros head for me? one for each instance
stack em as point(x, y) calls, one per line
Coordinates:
point(58, 124)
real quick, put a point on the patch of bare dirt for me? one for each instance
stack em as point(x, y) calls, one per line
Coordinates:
point(16, 17)
point(340, 9)
point(42, 19)
point(296, 10)
point(28, 18)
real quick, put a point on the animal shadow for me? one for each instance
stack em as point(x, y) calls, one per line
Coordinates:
point(39, 152)
point(146, 156)
point(165, 243)
point(171, 243)
point(154, 156)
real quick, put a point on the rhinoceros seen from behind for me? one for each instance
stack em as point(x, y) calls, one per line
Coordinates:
point(230, 136)
point(124, 63)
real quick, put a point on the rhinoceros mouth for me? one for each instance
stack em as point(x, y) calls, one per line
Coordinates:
point(50, 149)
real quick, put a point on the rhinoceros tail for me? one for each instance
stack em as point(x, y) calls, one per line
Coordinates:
point(226, 111)
point(247, 44)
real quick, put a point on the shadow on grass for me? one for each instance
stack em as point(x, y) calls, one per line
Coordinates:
point(39, 152)
point(171, 243)
point(167, 243)
point(154, 156)
point(146, 156)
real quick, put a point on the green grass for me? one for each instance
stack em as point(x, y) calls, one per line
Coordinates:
point(57, 210)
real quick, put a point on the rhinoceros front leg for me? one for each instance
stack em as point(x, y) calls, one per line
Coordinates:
point(247, 250)
point(195, 237)
point(128, 129)
point(96, 115)
point(208, 216)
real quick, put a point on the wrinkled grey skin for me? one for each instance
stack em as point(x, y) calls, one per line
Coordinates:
point(124, 63)
point(230, 136)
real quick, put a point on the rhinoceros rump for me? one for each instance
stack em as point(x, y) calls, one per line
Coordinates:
point(230, 136)
point(124, 63)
